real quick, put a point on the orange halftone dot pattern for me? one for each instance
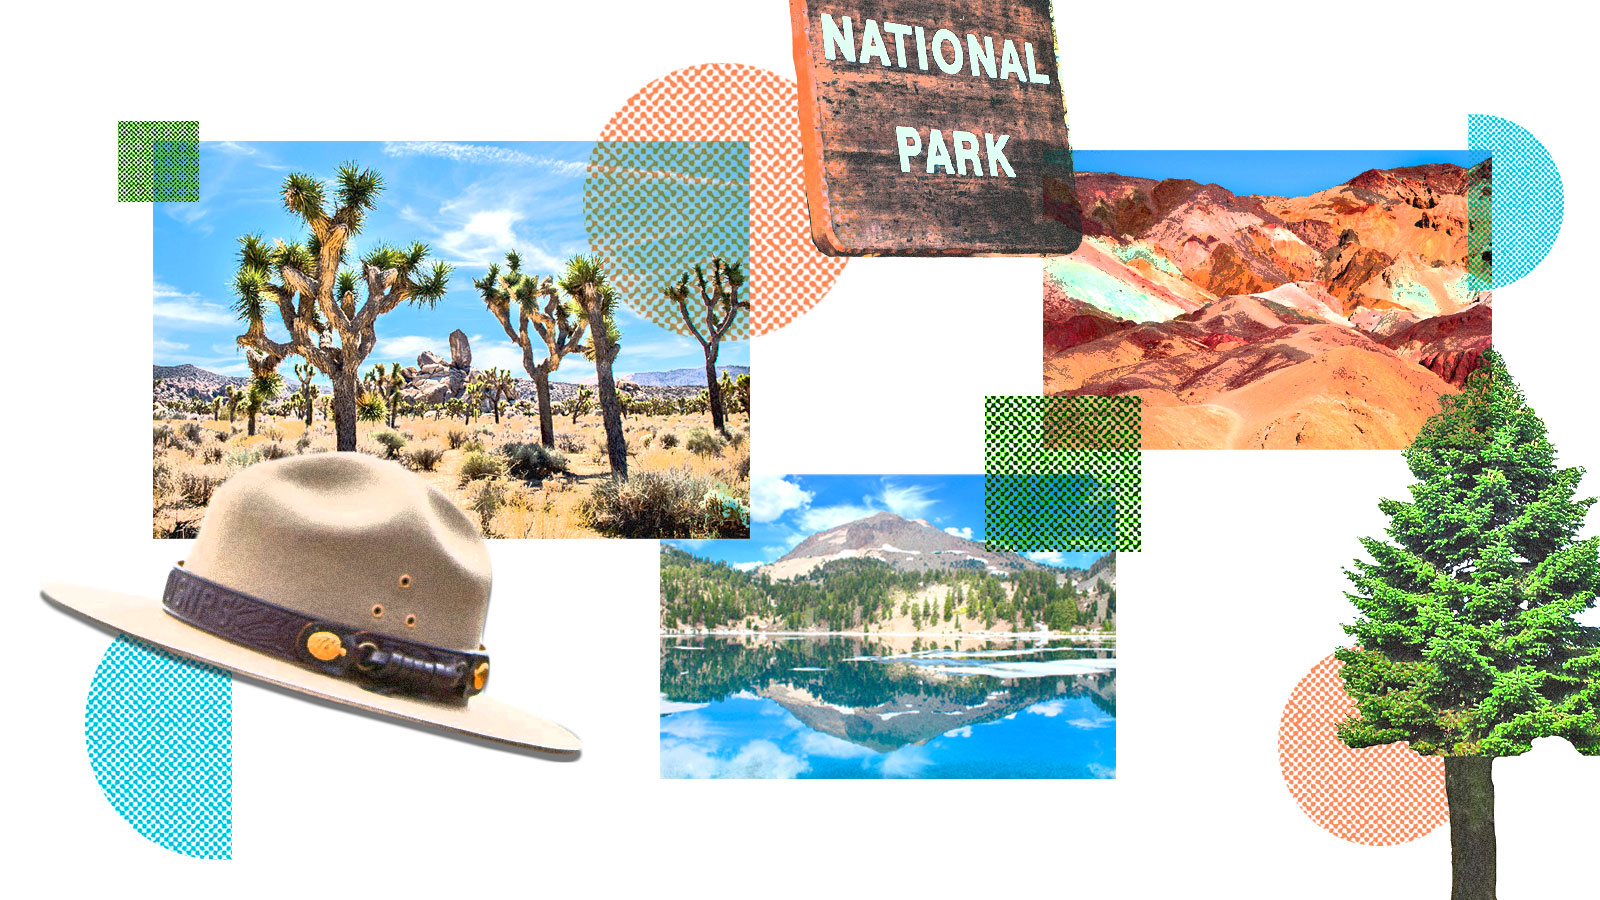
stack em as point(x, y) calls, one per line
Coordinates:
point(727, 102)
point(1378, 796)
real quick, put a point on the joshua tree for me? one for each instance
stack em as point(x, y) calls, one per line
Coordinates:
point(559, 325)
point(455, 407)
point(305, 372)
point(370, 407)
point(308, 400)
point(1468, 644)
point(265, 386)
point(231, 398)
point(495, 385)
point(718, 306)
point(585, 282)
point(216, 408)
point(580, 403)
point(315, 297)
point(386, 382)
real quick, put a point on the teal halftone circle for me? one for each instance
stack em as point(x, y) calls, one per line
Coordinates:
point(159, 731)
point(655, 209)
point(1513, 214)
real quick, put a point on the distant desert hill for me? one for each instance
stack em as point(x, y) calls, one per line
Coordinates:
point(1334, 320)
point(695, 377)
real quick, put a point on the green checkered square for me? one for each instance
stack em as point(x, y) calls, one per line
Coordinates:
point(158, 161)
point(1062, 474)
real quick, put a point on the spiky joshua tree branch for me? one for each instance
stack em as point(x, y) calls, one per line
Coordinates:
point(305, 283)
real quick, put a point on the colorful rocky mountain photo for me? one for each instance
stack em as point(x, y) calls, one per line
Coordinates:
point(1266, 314)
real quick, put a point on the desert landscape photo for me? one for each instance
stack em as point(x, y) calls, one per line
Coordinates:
point(1268, 300)
point(436, 305)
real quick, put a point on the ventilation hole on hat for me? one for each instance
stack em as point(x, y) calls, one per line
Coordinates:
point(411, 621)
point(405, 581)
point(377, 610)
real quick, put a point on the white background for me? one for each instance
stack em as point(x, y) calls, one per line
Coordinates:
point(1236, 595)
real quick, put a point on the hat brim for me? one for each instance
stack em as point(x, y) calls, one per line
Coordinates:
point(145, 619)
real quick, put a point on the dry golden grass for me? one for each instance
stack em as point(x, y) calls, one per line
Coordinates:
point(183, 469)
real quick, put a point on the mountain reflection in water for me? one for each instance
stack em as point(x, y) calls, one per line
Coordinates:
point(852, 707)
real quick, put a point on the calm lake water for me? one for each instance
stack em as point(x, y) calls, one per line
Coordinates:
point(848, 707)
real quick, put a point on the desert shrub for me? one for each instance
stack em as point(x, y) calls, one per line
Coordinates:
point(193, 433)
point(161, 476)
point(474, 446)
point(272, 450)
point(455, 437)
point(645, 443)
point(391, 442)
point(669, 440)
point(572, 442)
point(477, 464)
point(163, 435)
point(674, 503)
point(304, 442)
point(197, 487)
point(271, 432)
point(705, 443)
point(736, 439)
point(424, 459)
point(239, 459)
point(212, 454)
point(533, 463)
point(486, 501)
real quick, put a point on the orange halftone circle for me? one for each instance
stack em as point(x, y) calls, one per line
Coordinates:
point(728, 102)
point(1380, 795)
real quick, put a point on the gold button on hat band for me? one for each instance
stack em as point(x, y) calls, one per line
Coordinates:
point(325, 645)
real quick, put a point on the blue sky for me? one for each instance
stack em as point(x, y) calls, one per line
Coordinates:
point(1283, 173)
point(786, 510)
point(469, 202)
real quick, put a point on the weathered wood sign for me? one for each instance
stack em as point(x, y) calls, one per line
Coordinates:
point(934, 127)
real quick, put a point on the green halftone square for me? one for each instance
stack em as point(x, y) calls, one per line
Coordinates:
point(158, 161)
point(1062, 474)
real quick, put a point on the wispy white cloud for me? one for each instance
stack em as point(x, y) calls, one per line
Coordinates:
point(911, 501)
point(960, 532)
point(771, 497)
point(747, 566)
point(1054, 558)
point(162, 345)
point(179, 306)
point(483, 154)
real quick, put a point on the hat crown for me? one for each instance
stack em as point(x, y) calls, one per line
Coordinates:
point(349, 539)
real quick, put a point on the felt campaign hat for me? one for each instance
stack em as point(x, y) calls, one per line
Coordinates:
point(341, 576)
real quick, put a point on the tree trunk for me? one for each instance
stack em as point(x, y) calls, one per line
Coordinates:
point(344, 412)
point(547, 426)
point(610, 410)
point(250, 430)
point(1469, 786)
point(714, 389)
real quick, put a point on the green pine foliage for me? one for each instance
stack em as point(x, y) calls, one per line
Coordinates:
point(1468, 643)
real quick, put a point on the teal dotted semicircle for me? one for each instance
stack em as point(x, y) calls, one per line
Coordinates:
point(159, 730)
point(1516, 211)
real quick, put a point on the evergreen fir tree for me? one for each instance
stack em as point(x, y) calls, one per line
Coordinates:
point(1468, 644)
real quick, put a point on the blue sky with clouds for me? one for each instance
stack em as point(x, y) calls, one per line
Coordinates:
point(1279, 173)
point(786, 510)
point(469, 202)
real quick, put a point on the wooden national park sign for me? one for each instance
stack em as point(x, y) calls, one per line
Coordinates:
point(934, 128)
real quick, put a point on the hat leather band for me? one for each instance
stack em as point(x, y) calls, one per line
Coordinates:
point(377, 662)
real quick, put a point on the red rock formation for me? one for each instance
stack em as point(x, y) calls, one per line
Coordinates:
point(1449, 346)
